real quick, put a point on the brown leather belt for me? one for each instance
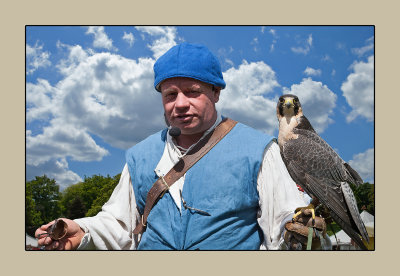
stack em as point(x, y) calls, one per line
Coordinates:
point(162, 185)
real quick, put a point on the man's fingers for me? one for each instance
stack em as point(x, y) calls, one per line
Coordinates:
point(42, 230)
point(61, 245)
point(47, 241)
point(54, 245)
point(43, 239)
point(45, 226)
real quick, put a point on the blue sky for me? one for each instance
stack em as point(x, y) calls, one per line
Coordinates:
point(90, 95)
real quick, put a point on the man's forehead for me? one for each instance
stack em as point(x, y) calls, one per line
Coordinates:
point(182, 82)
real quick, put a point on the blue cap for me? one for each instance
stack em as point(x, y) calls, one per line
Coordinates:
point(191, 61)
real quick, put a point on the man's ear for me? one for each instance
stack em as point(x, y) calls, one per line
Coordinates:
point(217, 91)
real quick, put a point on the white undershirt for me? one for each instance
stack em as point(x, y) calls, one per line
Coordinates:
point(112, 227)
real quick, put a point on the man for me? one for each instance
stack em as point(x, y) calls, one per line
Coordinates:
point(238, 196)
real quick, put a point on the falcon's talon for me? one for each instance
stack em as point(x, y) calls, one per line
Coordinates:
point(312, 215)
point(296, 214)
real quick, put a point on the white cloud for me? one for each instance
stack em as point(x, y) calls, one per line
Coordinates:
point(128, 37)
point(317, 101)
point(36, 58)
point(254, 42)
point(309, 40)
point(361, 51)
point(101, 94)
point(358, 89)
point(304, 49)
point(312, 72)
point(275, 37)
point(113, 97)
point(326, 58)
point(245, 90)
point(272, 47)
point(225, 51)
point(101, 39)
point(59, 141)
point(224, 54)
point(56, 169)
point(38, 100)
point(76, 55)
point(363, 163)
point(230, 62)
point(166, 40)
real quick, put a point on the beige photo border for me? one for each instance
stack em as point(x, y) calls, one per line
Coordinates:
point(14, 17)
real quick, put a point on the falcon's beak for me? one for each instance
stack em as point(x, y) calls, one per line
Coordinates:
point(288, 103)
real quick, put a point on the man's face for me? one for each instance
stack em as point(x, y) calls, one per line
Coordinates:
point(189, 104)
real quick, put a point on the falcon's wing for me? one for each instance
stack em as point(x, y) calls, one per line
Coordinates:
point(314, 156)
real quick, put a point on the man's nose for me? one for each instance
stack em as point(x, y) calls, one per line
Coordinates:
point(181, 101)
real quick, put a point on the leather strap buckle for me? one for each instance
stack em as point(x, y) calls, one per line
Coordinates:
point(165, 183)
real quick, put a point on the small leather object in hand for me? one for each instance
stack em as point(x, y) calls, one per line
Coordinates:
point(57, 230)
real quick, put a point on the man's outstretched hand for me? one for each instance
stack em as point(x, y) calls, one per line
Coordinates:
point(70, 241)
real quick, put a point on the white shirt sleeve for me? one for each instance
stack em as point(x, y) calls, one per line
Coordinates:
point(112, 227)
point(278, 196)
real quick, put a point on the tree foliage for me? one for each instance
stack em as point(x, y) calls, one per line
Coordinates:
point(104, 194)
point(87, 197)
point(44, 202)
point(41, 201)
point(77, 208)
point(365, 196)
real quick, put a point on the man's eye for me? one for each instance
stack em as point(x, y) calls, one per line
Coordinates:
point(194, 92)
point(170, 95)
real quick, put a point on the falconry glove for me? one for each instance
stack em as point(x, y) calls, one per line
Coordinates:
point(301, 229)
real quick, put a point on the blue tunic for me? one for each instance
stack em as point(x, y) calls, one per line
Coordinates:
point(222, 183)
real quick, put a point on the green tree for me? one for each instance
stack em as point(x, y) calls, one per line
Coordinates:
point(68, 197)
point(89, 195)
point(77, 208)
point(32, 216)
point(41, 201)
point(104, 195)
point(371, 197)
point(365, 196)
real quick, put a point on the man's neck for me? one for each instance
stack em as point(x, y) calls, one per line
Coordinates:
point(185, 141)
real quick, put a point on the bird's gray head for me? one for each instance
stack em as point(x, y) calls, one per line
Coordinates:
point(288, 105)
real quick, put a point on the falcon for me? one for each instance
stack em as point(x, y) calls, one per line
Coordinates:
point(318, 169)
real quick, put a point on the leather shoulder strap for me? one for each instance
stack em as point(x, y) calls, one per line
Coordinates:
point(195, 154)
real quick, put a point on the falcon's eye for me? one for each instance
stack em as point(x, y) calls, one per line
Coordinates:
point(295, 100)
point(281, 100)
